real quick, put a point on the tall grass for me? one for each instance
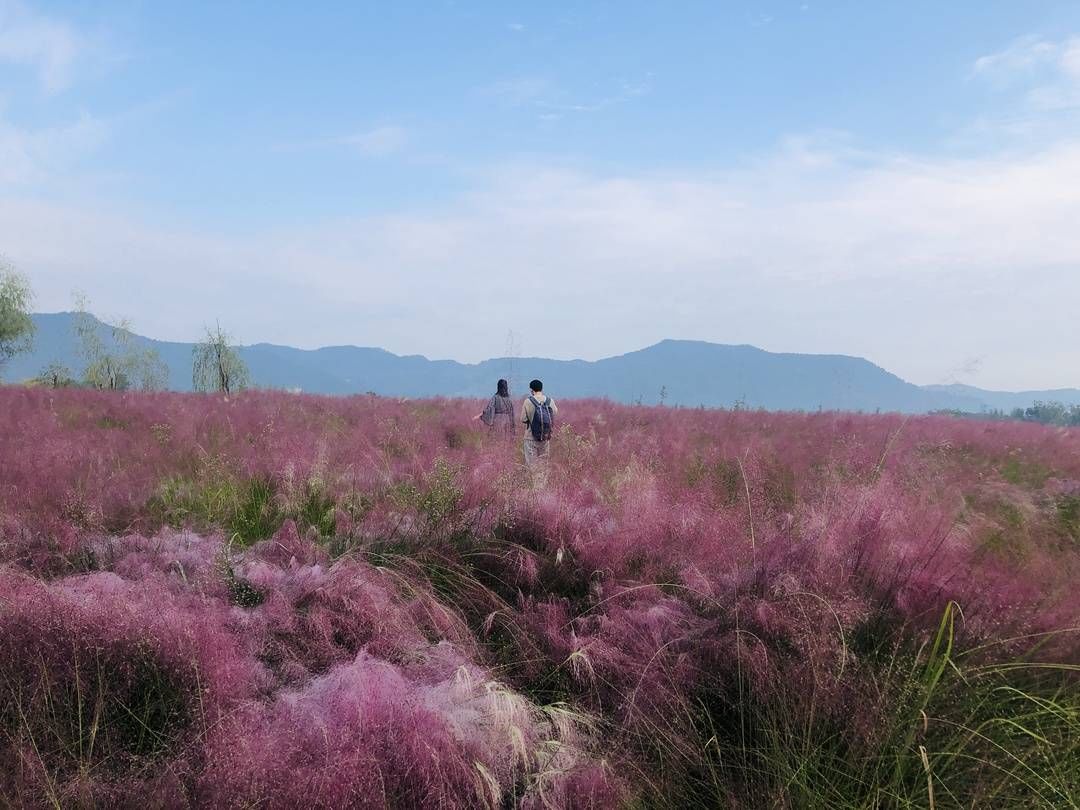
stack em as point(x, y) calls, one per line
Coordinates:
point(277, 600)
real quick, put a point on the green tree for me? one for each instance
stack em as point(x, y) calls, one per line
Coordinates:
point(1048, 413)
point(217, 365)
point(16, 326)
point(55, 375)
point(114, 361)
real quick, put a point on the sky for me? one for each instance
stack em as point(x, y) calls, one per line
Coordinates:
point(894, 180)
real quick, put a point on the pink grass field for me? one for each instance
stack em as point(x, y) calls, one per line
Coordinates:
point(284, 600)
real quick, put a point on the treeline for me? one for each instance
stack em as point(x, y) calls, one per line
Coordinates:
point(111, 358)
point(1045, 413)
point(1049, 413)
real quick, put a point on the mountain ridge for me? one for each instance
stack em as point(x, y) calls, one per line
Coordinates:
point(678, 372)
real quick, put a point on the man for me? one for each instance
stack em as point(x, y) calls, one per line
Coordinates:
point(538, 414)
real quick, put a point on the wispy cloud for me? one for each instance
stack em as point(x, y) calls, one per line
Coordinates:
point(516, 27)
point(1021, 56)
point(49, 46)
point(377, 142)
point(1048, 71)
point(34, 155)
point(552, 101)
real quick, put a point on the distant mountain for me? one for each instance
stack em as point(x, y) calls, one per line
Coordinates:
point(1007, 400)
point(688, 373)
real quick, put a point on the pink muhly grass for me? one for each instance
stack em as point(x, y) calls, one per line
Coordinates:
point(368, 600)
point(98, 675)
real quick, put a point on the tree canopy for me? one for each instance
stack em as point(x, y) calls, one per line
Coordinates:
point(114, 360)
point(16, 326)
point(217, 365)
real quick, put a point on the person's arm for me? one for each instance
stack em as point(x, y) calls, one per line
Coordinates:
point(488, 414)
point(526, 417)
point(554, 407)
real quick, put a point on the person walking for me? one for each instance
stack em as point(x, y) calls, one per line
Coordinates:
point(538, 414)
point(498, 414)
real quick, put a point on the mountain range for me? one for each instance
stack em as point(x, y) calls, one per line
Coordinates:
point(677, 372)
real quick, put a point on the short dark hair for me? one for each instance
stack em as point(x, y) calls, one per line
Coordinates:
point(536, 385)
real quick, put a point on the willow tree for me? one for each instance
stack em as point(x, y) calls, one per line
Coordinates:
point(114, 359)
point(16, 326)
point(55, 375)
point(217, 365)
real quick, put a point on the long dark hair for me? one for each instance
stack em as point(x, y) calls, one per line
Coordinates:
point(503, 389)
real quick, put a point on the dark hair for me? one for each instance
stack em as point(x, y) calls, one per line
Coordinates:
point(502, 389)
point(536, 385)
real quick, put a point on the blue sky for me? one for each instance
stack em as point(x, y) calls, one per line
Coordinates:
point(894, 180)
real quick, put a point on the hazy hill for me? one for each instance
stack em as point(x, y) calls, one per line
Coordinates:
point(1007, 400)
point(690, 372)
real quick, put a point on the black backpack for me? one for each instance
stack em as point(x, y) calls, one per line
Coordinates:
point(542, 419)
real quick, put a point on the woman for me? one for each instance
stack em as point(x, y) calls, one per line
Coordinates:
point(498, 414)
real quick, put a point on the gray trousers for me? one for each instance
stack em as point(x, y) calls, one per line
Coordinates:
point(535, 451)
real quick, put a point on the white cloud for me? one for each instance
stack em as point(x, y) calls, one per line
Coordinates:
point(1022, 55)
point(1047, 70)
point(516, 27)
point(49, 46)
point(552, 101)
point(917, 263)
point(378, 142)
